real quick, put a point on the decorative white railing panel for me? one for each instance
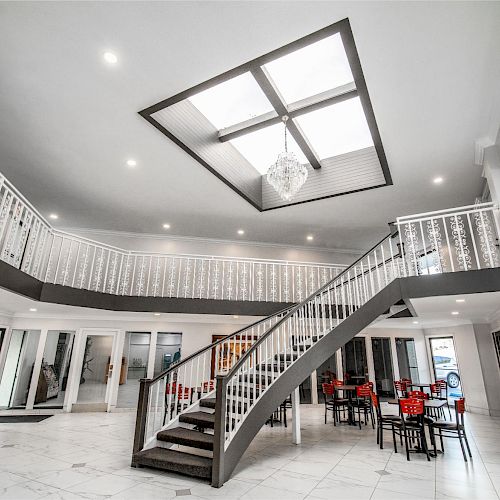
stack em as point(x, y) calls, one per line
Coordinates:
point(29, 243)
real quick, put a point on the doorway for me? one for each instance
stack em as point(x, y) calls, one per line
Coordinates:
point(354, 361)
point(445, 364)
point(382, 363)
point(96, 369)
point(407, 359)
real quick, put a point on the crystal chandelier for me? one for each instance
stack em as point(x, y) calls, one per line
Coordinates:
point(287, 175)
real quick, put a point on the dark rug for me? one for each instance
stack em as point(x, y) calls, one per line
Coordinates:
point(22, 419)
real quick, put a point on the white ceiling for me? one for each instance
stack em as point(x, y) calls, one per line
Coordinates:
point(68, 121)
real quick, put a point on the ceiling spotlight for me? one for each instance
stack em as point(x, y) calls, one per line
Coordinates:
point(235, 316)
point(415, 322)
point(110, 58)
point(131, 163)
point(166, 226)
point(437, 180)
point(460, 301)
point(310, 237)
point(241, 232)
point(53, 216)
point(455, 313)
point(156, 314)
point(33, 309)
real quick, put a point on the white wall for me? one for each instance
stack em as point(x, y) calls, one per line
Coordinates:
point(471, 376)
point(199, 246)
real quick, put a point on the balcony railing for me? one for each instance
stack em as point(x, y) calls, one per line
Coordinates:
point(28, 242)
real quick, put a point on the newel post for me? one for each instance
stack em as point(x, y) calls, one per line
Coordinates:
point(219, 433)
point(142, 414)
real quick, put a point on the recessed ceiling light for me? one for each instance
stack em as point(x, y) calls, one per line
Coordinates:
point(235, 316)
point(53, 216)
point(131, 162)
point(110, 58)
point(33, 309)
point(310, 237)
point(455, 313)
point(415, 322)
point(437, 180)
point(166, 226)
point(156, 314)
point(460, 301)
point(241, 232)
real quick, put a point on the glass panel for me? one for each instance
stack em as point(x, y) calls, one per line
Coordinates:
point(95, 369)
point(326, 373)
point(354, 360)
point(382, 362)
point(444, 360)
point(407, 359)
point(261, 148)
point(2, 335)
point(311, 70)
point(168, 351)
point(18, 368)
point(496, 340)
point(135, 354)
point(337, 129)
point(232, 101)
point(53, 376)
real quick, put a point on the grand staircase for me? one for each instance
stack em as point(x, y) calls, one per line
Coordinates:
point(198, 417)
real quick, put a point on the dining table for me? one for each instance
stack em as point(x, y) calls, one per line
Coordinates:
point(420, 386)
point(349, 389)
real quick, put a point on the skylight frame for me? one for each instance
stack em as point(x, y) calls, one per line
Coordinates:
point(256, 68)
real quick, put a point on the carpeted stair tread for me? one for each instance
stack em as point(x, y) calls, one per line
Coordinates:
point(208, 402)
point(187, 437)
point(175, 461)
point(199, 418)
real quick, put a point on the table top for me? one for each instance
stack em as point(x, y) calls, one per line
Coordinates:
point(346, 387)
point(428, 403)
point(419, 385)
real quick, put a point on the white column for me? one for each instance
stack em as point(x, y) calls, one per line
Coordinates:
point(36, 370)
point(395, 360)
point(369, 359)
point(296, 437)
point(314, 388)
point(152, 354)
point(340, 368)
point(75, 370)
point(116, 359)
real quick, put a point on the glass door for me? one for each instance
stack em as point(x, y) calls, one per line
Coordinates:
point(407, 359)
point(96, 369)
point(445, 364)
point(168, 351)
point(382, 363)
point(354, 361)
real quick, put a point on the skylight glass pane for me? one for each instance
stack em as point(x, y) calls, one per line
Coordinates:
point(309, 71)
point(336, 129)
point(261, 148)
point(232, 101)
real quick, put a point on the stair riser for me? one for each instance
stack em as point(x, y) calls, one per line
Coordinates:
point(200, 472)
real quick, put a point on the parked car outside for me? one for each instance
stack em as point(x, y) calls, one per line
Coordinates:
point(446, 369)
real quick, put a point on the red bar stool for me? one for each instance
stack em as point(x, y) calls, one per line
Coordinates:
point(453, 429)
point(413, 427)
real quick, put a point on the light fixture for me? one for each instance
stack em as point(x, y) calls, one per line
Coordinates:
point(53, 216)
point(460, 301)
point(455, 313)
point(235, 316)
point(415, 322)
point(156, 314)
point(131, 162)
point(437, 180)
point(241, 232)
point(166, 226)
point(310, 237)
point(110, 58)
point(287, 175)
point(33, 309)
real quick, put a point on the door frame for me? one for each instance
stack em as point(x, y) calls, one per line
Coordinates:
point(73, 386)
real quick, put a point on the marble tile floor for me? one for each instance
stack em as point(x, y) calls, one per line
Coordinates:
point(75, 456)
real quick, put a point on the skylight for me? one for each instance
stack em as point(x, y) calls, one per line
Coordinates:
point(262, 147)
point(232, 101)
point(311, 70)
point(336, 129)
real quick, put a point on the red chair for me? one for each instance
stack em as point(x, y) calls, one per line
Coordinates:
point(208, 386)
point(443, 394)
point(337, 382)
point(413, 427)
point(333, 402)
point(363, 403)
point(418, 395)
point(453, 429)
point(400, 388)
point(407, 381)
point(383, 421)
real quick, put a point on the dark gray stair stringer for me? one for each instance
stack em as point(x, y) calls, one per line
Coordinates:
point(458, 283)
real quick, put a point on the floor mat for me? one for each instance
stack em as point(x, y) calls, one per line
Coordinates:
point(22, 419)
